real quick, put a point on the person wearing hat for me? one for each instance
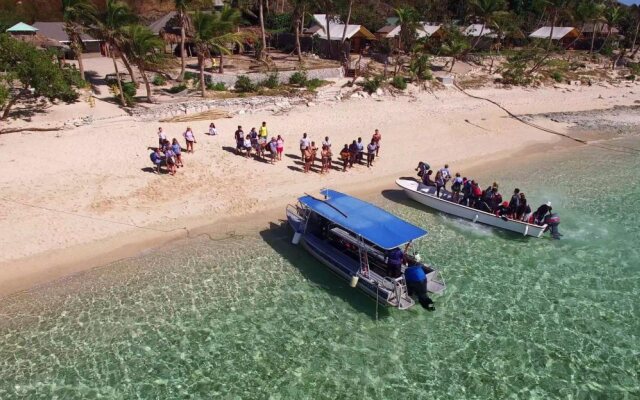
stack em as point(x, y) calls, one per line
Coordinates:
point(503, 210)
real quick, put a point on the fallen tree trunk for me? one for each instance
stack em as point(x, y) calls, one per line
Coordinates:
point(16, 130)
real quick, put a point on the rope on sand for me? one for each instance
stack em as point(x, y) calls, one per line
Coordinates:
point(621, 149)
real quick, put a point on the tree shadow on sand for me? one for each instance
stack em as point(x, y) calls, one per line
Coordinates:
point(278, 237)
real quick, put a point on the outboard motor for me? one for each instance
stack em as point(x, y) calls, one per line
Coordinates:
point(553, 220)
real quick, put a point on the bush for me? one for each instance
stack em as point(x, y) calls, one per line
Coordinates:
point(557, 76)
point(271, 82)
point(177, 88)
point(371, 85)
point(191, 76)
point(313, 84)
point(634, 68)
point(298, 78)
point(218, 86)
point(244, 84)
point(128, 92)
point(159, 80)
point(631, 77)
point(398, 82)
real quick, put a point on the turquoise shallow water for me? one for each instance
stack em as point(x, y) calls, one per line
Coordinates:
point(253, 317)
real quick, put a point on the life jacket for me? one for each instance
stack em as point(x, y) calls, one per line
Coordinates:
point(477, 192)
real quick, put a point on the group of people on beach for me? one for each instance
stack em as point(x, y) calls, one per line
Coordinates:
point(169, 152)
point(469, 193)
point(257, 142)
point(350, 154)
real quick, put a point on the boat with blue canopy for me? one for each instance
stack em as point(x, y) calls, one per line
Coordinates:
point(367, 246)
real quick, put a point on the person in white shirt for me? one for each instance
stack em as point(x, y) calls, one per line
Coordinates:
point(446, 175)
point(161, 137)
point(212, 129)
point(304, 144)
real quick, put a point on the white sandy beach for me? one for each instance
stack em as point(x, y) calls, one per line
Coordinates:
point(72, 199)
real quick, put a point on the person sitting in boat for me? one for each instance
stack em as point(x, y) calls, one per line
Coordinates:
point(503, 210)
point(416, 278)
point(422, 168)
point(466, 192)
point(394, 261)
point(476, 194)
point(427, 180)
point(541, 212)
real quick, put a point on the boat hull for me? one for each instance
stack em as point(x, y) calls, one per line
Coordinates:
point(423, 194)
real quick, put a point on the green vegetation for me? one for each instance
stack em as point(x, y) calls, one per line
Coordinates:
point(399, 83)
point(272, 81)
point(299, 78)
point(557, 76)
point(244, 84)
point(217, 87)
point(177, 88)
point(372, 84)
point(159, 80)
point(31, 73)
point(314, 84)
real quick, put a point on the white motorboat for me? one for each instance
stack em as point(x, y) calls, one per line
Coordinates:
point(427, 196)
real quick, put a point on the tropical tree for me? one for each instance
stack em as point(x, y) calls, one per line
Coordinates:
point(299, 7)
point(408, 19)
point(76, 14)
point(485, 10)
point(590, 11)
point(29, 72)
point(454, 44)
point(215, 32)
point(145, 50)
point(109, 28)
point(182, 9)
point(612, 16)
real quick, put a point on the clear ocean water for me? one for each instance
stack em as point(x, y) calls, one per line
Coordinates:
point(252, 317)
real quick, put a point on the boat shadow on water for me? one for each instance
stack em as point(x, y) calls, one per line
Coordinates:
point(398, 196)
point(278, 237)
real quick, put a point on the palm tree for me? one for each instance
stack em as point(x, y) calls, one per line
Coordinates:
point(485, 10)
point(589, 11)
point(75, 14)
point(182, 9)
point(454, 44)
point(215, 32)
point(298, 18)
point(612, 16)
point(145, 50)
point(108, 27)
point(408, 21)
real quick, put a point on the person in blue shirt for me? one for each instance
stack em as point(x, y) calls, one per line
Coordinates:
point(416, 278)
point(156, 159)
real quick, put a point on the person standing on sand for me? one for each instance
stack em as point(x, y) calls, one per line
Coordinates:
point(247, 146)
point(239, 136)
point(371, 153)
point(304, 144)
point(377, 138)
point(190, 138)
point(156, 159)
point(177, 150)
point(273, 149)
point(161, 137)
point(280, 147)
point(212, 129)
point(326, 142)
point(360, 154)
point(314, 152)
point(353, 151)
point(325, 156)
point(171, 161)
point(346, 157)
point(264, 134)
point(308, 159)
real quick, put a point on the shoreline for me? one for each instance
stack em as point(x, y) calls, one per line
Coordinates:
point(218, 192)
point(27, 274)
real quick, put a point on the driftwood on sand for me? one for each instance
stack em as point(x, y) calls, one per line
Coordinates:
point(16, 130)
point(201, 116)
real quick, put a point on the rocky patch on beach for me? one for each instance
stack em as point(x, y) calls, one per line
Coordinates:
point(621, 120)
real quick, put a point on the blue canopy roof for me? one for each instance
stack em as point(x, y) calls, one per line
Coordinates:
point(372, 223)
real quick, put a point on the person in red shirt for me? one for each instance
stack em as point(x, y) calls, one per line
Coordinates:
point(377, 138)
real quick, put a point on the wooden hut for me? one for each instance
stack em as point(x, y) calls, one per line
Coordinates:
point(565, 35)
point(356, 35)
